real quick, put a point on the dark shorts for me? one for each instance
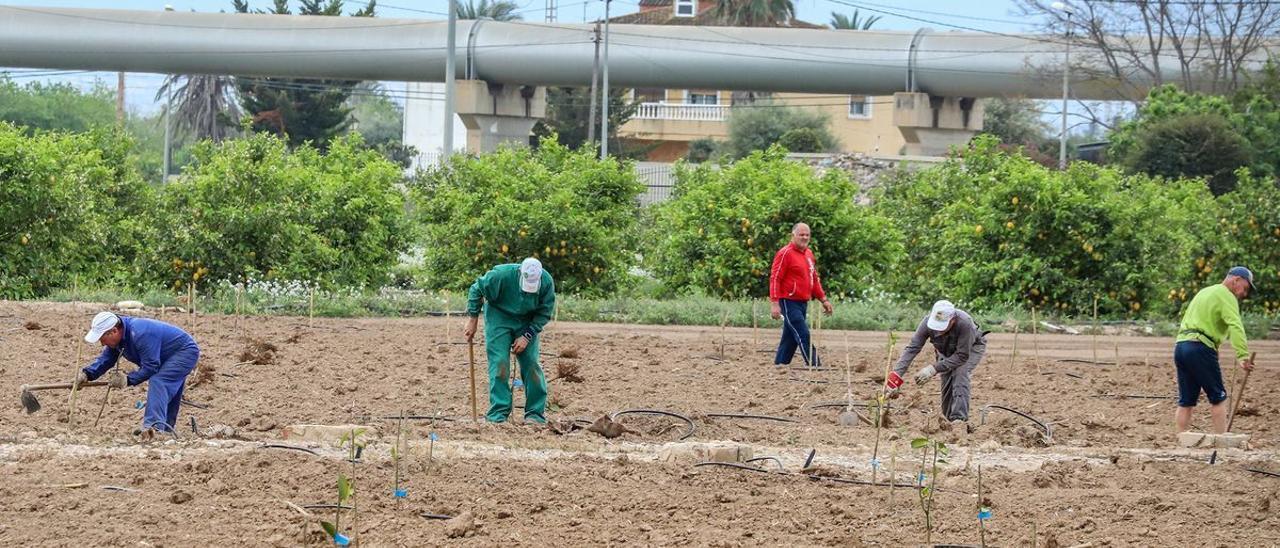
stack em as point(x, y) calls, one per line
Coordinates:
point(1198, 370)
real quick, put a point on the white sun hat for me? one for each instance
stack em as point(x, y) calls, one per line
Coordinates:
point(940, 316)
point(102, 323)
point(530, 275)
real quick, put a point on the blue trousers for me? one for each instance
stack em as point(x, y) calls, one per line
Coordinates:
point(164, 390)
point(795, 334)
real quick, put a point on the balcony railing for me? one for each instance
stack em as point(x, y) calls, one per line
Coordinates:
point(679, 111)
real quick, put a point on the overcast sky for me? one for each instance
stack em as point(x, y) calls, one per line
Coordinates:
point(983, 15)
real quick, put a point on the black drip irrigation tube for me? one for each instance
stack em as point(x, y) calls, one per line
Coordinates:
point(740, 466)
point(408, 418)
point(748, 416)
point(827, 404)
point(1263, 472)
point(1048, 432)
point(435, 516)
point(1135, 396)
point(687, 420)
point(1067, 373)
point(196, 405)
point(288, 447)
point(1090, 362)
point(774, 459)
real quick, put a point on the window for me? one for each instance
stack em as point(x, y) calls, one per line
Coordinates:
point(648, 95)
point(859, 106)
point(686, 8)
point(701, 97)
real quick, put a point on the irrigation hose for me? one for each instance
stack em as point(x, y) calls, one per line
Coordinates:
point(774, 459)
point(687, 420)
point(1048, 432)
point(288, 447)
point(748, 416)
point(1263, 472)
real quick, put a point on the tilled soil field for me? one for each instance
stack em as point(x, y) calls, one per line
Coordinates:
point(1108, 473)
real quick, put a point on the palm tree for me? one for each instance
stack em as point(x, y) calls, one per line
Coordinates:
point(498, 10)
point(204, 104)
point(840, 21)
point(754, 13)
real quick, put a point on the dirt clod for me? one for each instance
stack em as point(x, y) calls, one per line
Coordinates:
point(570, 352)
point(459, 526)
point(569, 371)
point(607, 428)
point(180, 497)
point(32, 326)
point(258, 352)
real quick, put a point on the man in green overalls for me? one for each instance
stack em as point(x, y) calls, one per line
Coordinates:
point(520, 299)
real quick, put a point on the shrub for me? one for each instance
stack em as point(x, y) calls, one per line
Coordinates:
point(576, 213)
point(995, 228)
point(721, 230)
point(1194, 145)
point(701, 150)
point(68, 205)
point(251, 208)
point(763, 124)
point(803, 139)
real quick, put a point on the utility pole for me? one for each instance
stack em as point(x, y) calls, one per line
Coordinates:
point(1066, 86)
point(604, 91)
point(120, 98)
point(552, 11)
point(595, 75)
point(450, 85)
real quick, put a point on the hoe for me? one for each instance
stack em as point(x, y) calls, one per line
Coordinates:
point(31, 404)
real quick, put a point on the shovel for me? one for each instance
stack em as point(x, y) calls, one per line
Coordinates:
point(28, 397)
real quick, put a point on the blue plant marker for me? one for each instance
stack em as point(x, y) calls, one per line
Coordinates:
point(984, 513)
point(341, 539)
point(401, 493)
point(875, 463)
point(137, 404)
point(433, 436)
point(920, 478)
point(517, 384)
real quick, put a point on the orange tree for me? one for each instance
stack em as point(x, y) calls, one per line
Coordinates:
point(69, 208)
point(575, 213)
point(254, 208)
point(720, 231)
point(1245, 231)
point(990, 228)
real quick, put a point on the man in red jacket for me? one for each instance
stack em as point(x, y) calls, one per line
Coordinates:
point(793, 282)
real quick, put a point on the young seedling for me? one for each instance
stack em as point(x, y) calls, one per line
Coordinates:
point(355, 448)
point(395, 456)
point(984, 512)
point(1035, 339)
point(932, 453)
point(876, 406)
point(1013, 356)
point(346, 491)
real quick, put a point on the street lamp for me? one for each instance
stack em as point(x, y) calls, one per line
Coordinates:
point(1066, 83)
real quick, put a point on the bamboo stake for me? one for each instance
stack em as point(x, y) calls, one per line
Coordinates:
point(71, 404)
point(239, 308)
point(1014, 355)
point(311, 310)
point(1095, 329)
point(191, 305)
point(1116, 341)
point(893, 467)
point(982, 526)
point(755, 326)
point(105, 398)
point(471, 359)
point(724, 319)
point(1035, 339)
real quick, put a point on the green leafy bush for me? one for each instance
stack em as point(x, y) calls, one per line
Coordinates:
point(251, 208)
point(720, 232)
point(804, 139)
point(701, 150)
point(68, 205)
point(993, 228)
point(759, 126)
point(575, 213)
point(1192, 145)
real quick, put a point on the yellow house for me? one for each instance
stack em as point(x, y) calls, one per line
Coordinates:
point(669, 119)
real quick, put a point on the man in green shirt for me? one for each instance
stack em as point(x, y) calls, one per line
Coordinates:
point(1214, 313)
point(518, 302)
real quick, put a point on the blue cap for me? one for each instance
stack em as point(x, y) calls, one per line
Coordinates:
point(1243, 273)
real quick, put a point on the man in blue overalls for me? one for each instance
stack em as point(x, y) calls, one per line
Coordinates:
point(165, 356)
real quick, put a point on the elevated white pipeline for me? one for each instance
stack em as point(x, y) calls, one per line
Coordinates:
point(764, 59)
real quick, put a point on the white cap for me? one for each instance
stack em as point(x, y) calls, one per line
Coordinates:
point(102, 323)
point(530, 275)
point(940, 316)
